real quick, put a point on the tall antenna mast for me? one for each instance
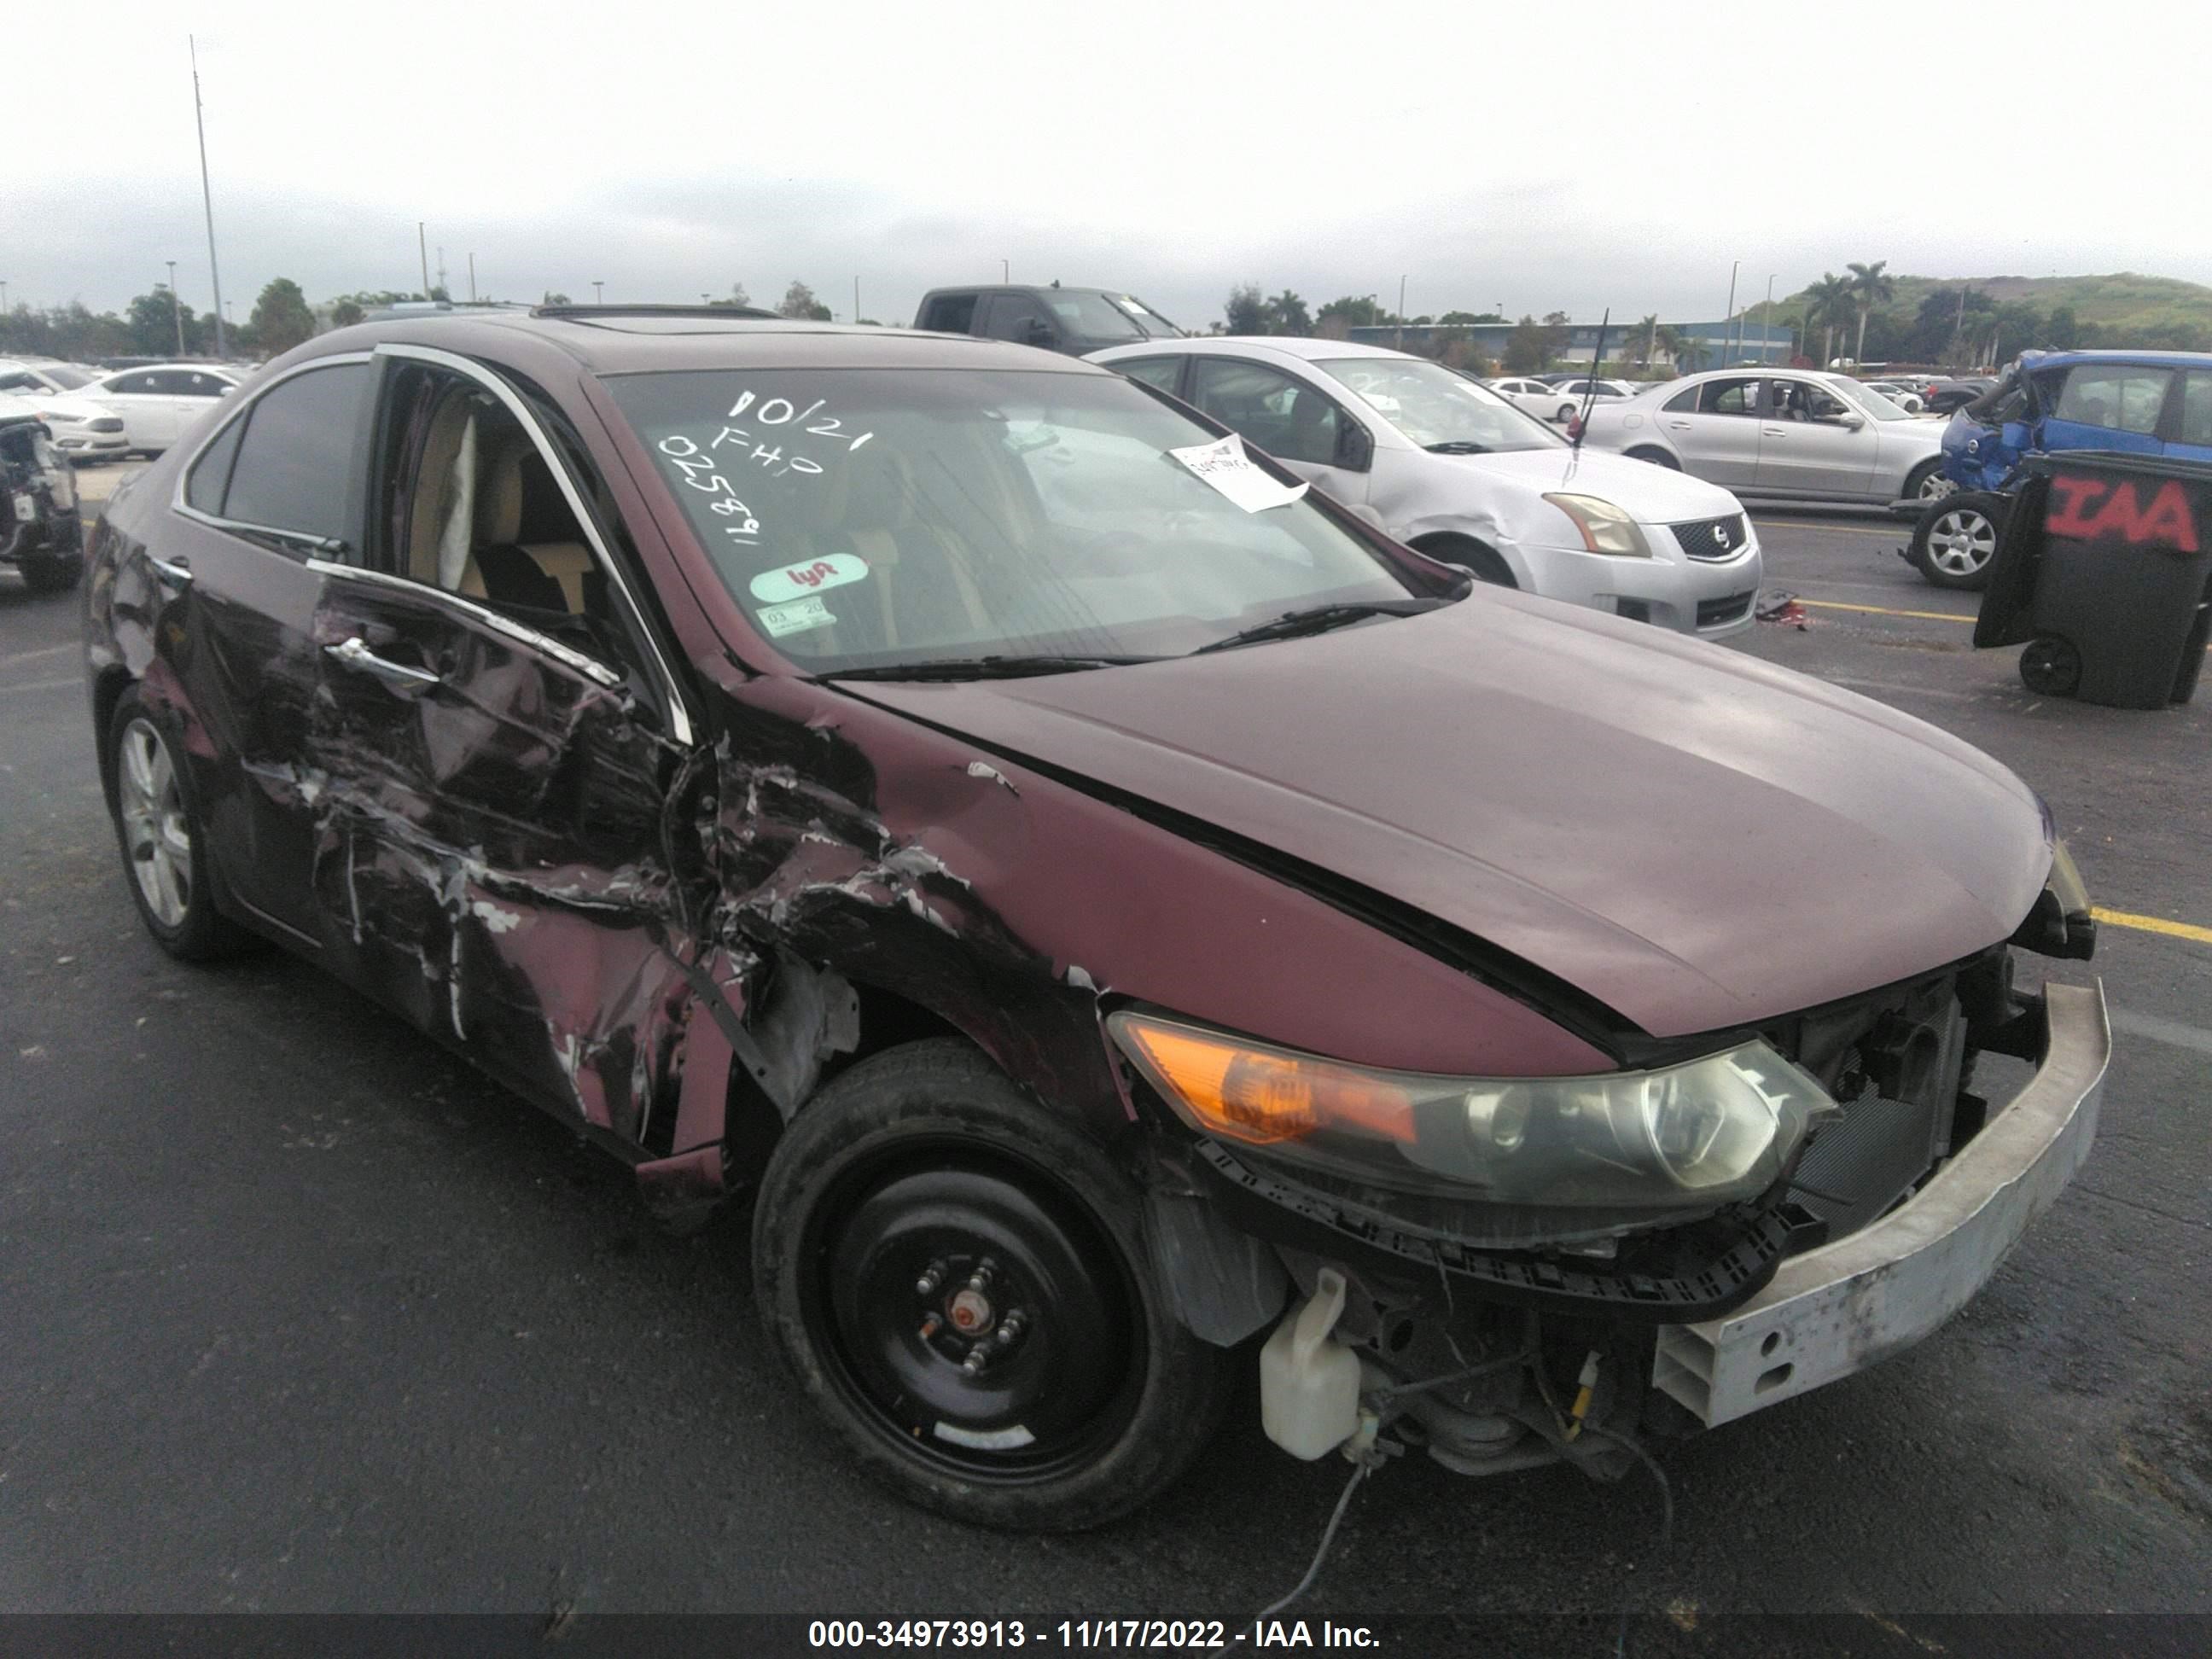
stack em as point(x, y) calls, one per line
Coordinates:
point(207, 196)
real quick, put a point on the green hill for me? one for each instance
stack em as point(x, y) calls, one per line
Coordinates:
point(1921, 320)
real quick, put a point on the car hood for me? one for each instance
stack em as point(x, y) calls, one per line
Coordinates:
point(1652, 495)
point(1694, 838)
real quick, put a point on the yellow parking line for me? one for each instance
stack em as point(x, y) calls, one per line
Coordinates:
point(1884, 611)
point(1840, 529)
point(2153, 925)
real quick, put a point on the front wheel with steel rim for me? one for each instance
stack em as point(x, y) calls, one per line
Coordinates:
point(165, 856)
point(1957, 537)
point(956, 1276)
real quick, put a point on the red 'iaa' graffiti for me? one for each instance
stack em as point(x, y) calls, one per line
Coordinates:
point(2167, 521)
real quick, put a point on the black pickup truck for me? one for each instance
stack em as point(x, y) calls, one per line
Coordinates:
point(40, 535)
point(1075, 320)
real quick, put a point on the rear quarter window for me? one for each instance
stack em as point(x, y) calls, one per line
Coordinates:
point(950, 314)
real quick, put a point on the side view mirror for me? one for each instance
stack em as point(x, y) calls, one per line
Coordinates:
point(1037, 333)
point(1849, 422)
point(1355, 448)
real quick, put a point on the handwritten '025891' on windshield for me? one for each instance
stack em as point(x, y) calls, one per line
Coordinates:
point(697, 466)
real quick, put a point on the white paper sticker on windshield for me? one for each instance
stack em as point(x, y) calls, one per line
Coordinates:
point(1228, 469)
point(792, 581)
point(794, 618)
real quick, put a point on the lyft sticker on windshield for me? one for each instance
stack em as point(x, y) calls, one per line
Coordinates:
point(792, 581)
point(794, 618)
point(1228, 469)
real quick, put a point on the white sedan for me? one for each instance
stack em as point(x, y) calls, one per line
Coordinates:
point(1795, 434)
point(159, 403)
point(1538, 397)
point(83, 429)
point(1448, 466)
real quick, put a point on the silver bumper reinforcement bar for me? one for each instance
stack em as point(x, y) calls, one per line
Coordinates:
point(1846, 1305)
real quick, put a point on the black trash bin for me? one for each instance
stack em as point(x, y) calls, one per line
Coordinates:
point(2104, 571)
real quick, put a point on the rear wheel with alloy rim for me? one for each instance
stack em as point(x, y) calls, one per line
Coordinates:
point(1957, 537)
point(958, 1278)
point(165, 854)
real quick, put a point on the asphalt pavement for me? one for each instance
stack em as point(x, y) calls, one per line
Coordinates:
point(299, 1314)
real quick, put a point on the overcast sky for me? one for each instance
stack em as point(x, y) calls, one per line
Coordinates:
point(1521, 157)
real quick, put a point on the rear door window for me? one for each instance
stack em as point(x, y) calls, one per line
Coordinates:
point(950, 314)
point(2117, 397)
point(1728, 397)
point(298, 460)
point(131, 386)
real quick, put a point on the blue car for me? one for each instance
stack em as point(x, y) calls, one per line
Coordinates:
point(2139, 402)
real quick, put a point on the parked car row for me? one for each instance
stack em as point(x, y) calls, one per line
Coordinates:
point(97, 415)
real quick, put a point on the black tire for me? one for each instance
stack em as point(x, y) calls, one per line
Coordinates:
point(193, 929)
point(1481, 561)
point(52, 575)
point(2049, 666)
point(1957, 536)
point(1657, 457)
point(926, 1156)
point(1567, 413)
point(1926, 481)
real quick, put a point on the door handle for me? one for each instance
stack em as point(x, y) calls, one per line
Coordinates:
point(394, 675)
point(1774, 431)
point(176, 572)
point(1680, 426)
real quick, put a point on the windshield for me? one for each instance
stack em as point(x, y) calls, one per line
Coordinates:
point(1867, 398)
point(871, 517)
point(67, 377)
point(1148, 319)
point(1432, 405)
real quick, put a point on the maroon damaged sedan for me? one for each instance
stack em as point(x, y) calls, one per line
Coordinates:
point(1129, 930)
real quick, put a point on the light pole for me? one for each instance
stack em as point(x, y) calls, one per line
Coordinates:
point(1730, 316)
point(856, 300)
point(598, 292)
point(1766, 319)
point(176, 311)
point(1006, 270)
point(207, 196)
point(472, 279)
point(423, 247)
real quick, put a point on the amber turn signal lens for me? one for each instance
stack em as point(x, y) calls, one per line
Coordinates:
point(1258, 1096)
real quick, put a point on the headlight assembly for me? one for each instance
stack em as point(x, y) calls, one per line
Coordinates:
point(1605, 528)
point(1692, 1136)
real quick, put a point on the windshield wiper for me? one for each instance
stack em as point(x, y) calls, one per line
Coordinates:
point(1457, 446)
point(1319, 619)
point(978, 668)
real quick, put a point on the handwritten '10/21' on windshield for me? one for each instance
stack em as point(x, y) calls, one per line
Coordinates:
point(684, 454)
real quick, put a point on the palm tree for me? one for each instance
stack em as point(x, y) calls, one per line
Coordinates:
point(1872, 288)
point(1828, 298)
point(1649, 328)
point(1675, 344)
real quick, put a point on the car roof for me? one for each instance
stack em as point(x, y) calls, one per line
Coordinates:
point(1289, 345)
point(2150, 359)
point(643, 339)
point(203, 367)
